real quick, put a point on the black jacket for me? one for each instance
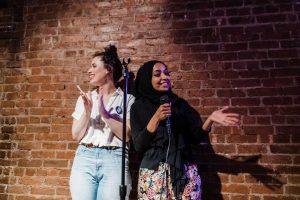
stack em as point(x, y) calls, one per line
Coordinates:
point(186, 127)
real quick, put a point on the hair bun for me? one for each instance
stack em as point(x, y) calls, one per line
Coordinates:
point(111, 52)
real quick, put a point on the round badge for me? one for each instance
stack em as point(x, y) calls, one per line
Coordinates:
point(118, 109)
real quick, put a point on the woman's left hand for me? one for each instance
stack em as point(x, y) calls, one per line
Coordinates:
point(226, 119)
point(103, 112)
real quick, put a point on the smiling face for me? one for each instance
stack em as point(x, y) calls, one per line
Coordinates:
point(160, 78)
point(97, 72)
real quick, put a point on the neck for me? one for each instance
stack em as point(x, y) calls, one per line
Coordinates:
point(108, 88)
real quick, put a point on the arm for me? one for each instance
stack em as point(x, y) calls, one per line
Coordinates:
point(80, 126)
point(81, 116)
point(225, 119)
point(142, 135)
point(117, 127)
point(197, 130)
point(114, 123)
point(161, 113)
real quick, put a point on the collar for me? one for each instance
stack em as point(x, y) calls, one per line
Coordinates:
point(118, 91)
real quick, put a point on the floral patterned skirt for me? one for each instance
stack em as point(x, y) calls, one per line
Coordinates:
point(156, 184)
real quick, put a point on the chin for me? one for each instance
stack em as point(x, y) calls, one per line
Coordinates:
point(164, 89)
point(94, 83)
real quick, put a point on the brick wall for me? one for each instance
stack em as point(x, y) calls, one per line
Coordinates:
point(241, 53)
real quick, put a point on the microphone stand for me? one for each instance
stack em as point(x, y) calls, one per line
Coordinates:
point(123, 187)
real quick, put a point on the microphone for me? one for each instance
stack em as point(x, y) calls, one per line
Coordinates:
point(165, 99)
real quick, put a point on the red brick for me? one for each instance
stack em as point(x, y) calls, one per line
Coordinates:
point(30, 163)
point(54, 146)
point(201, 93)
point(56, 163)
point(65, 155)
point(276, 159)
point(225, 148)
point(263, 120)
point(246, 83)
point(294, 179)
point(262, 92)
point(258, 189)
point(52, 181)
point(18, 189)
point(39, 79)
point(215, 102)
point(242, 139)
point(259, 149)
point(31, 180)
point(42, 190)
point(245, 102)
point(62, 191)
point(259, 130)
point(43, 154)
point(236, 188)
point(285, 149)
point(51, 103)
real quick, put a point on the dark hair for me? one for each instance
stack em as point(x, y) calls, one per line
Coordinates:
point(111, 61)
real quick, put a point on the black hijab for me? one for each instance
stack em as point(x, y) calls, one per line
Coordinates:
point(143, 84)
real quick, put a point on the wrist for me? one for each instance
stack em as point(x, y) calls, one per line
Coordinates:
point(153, 124)
point(207, 124)
point(87, 113)
point(210, 120)
point(106, 115)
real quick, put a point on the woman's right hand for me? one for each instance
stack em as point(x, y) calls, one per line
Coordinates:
point(87, 101)
point(79, 126)
point(163, 111)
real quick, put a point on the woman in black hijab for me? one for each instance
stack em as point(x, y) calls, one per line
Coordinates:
point(163, 127)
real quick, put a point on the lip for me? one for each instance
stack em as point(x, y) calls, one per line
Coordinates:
point(91, 76)
point(165, 85)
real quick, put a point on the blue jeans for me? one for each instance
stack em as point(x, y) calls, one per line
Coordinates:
point(96, 174)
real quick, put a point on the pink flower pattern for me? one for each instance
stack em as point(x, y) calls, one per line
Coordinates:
point(156, 184)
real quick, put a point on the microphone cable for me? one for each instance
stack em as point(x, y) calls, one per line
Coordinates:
point(165, 99)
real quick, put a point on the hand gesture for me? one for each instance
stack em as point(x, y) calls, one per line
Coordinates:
point(103, 112)
point(163, 111)
point(87, 100)
point(226, 119)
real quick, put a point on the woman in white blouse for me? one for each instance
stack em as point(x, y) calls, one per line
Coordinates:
point(97, 126)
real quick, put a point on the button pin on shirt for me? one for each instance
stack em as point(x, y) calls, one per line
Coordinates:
point(118, 109)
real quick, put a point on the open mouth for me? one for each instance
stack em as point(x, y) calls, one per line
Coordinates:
point(164, 84)
point(92, 76)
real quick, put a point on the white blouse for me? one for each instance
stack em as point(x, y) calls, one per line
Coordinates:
point(98, 133)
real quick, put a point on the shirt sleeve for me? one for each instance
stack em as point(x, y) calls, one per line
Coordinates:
point(79, 109)
point(141, 137)
point(130, 101)
point(194, 124)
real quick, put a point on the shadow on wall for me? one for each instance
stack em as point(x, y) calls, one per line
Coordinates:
point(11, 29)
point(189, 31)
point(211, 164)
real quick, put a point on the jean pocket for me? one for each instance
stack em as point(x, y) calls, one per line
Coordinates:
point(80, 150)
point(117, 155)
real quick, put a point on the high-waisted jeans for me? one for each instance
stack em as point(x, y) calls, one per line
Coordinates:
point(96, 174)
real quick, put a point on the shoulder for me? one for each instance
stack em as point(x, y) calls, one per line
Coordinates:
point(130, 97)
point(120, 95)
point(180, 102)
point(137, 103)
